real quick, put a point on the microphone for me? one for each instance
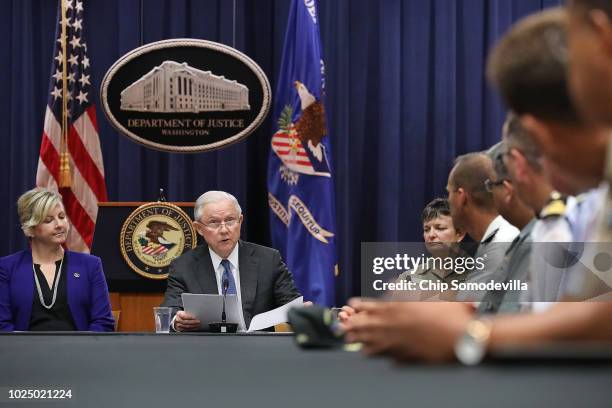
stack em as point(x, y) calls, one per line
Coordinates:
point(223, 326)
point(162, 195)
point(225, 288)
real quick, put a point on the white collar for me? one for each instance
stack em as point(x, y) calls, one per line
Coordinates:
point(232, 258)
point(495, 225)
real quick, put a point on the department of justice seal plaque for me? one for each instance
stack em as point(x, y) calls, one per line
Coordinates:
point(185, 95)
point(153, 235)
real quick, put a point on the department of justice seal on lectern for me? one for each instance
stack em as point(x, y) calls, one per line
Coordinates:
point(153, 235)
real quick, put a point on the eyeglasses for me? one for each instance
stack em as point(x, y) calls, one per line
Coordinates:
point(489, 184)
point(215, 225)
point(500, 159)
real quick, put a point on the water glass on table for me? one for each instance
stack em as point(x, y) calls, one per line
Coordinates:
point(163, 317)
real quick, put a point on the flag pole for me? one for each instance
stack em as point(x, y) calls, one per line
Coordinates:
point(64, 170)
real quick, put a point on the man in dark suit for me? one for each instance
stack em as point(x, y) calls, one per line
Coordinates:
point(256, 274)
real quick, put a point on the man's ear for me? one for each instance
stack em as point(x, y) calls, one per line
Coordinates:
point(508, 186)
point(462, 196)
point(198, 227)
point(603, 28)
point(520, 165)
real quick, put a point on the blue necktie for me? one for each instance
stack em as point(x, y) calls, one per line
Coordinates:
point(227, 275)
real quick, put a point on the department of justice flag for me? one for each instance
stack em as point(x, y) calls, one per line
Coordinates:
point(300, 184)
point(70, 156)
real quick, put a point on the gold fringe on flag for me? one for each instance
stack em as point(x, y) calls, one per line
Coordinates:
point(64, 170)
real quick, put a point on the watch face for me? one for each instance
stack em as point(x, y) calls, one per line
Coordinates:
point(469, 351)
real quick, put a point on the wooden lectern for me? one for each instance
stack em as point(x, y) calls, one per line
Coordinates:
point(132, 295)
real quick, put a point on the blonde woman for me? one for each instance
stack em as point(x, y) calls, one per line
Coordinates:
point(47, 288)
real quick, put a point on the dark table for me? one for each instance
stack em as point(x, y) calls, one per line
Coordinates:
point(268, 370)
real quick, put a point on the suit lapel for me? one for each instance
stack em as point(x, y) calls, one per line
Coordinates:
point(25, 277)
point(74, 277)
point(248, 265)
point(205, 274)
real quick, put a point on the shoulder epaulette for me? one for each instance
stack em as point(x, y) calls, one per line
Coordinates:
point(555, 207)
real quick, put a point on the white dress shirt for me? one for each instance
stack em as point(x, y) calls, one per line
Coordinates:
point(492, 248)
point(233, 260)
point(503, 230)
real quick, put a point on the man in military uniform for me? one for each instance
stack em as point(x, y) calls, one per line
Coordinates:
point(590, 36)
point(519, 160)
point(515, 264)
point(473, 210)
point(551, 227)
point(552, 237)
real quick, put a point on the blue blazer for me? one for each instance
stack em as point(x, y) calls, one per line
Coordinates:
point(87, 294)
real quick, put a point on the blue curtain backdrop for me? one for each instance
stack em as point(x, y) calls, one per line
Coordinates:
point(405, 91)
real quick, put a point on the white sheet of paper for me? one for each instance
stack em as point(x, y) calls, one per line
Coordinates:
point(274, 316)
point(208, 308)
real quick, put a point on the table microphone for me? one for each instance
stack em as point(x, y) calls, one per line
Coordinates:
point(225, 288)
point(315, 327)
point(223, 326)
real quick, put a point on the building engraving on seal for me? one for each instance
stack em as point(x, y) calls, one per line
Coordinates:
point(175, 87)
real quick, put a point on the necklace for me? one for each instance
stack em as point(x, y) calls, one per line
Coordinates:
point(57, 279)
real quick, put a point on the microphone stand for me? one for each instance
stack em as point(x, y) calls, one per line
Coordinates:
point(223, 326)
point(225, 287)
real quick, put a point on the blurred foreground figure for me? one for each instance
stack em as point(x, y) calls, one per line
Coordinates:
point(590, 53)
point(535, 88)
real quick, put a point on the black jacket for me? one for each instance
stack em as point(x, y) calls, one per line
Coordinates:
point(265, 281)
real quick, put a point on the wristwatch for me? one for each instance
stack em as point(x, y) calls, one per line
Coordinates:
point(471, 347)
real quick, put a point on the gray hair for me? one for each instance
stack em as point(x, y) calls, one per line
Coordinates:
point(34, 205)
point(517, 137)
point(211, 197)
point(496, 154)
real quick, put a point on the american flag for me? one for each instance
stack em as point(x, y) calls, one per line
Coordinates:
point(71, 94)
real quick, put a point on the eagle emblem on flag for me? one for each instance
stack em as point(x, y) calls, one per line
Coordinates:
point(298, 144)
